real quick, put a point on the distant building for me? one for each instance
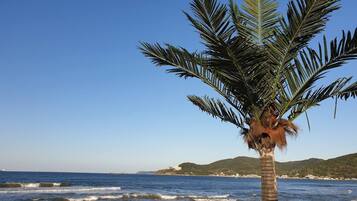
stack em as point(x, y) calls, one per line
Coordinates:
point(177, 168)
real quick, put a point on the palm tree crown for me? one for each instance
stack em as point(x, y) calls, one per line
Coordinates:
point(261, 63)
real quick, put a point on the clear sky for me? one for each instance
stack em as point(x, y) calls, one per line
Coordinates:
point(77, 95)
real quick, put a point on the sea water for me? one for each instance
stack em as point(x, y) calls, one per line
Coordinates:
point(112, 187)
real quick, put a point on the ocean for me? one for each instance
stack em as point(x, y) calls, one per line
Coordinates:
point(125, 187)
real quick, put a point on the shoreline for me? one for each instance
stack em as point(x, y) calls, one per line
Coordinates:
point(308, 177)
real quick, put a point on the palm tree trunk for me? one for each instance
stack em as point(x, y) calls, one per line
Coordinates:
point(268, 176)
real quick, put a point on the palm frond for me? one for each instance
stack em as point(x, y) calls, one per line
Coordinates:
point(236, 16)
point(185, 64)
point(211, 21)
point(217, 109)
point(311, 66)
point(239, 62)
point(315, 97)
point(348, 92)
point(305, 19)
point(255, 58)
point(259, 20)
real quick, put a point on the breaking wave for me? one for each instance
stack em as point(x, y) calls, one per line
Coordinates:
point(78, 189)
point(152, 197)
point(33, 185)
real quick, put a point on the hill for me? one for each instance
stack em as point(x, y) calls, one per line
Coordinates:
point(340, 167)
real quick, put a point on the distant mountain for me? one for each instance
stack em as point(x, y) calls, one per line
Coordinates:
point(340, 167)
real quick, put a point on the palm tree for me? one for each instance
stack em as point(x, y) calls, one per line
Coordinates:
point(261, 63)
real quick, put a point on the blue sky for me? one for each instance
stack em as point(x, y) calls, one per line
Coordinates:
point(77, 95)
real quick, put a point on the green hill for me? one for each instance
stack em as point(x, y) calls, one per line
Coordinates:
point(340, 167)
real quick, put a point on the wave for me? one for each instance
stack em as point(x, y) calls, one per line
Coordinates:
point(61, 190)
point(153, 197)
point(33, 185)
point(94, 198)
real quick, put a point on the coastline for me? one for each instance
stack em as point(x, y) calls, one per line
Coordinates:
point(252, 176)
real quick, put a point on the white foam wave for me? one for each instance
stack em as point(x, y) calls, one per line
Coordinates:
point(168, 197)
point(32, 185)
point(94, 198)
point(60, 190)
point(211, 198)
point(153, 196)
point(173, 197)
point(219, 196)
